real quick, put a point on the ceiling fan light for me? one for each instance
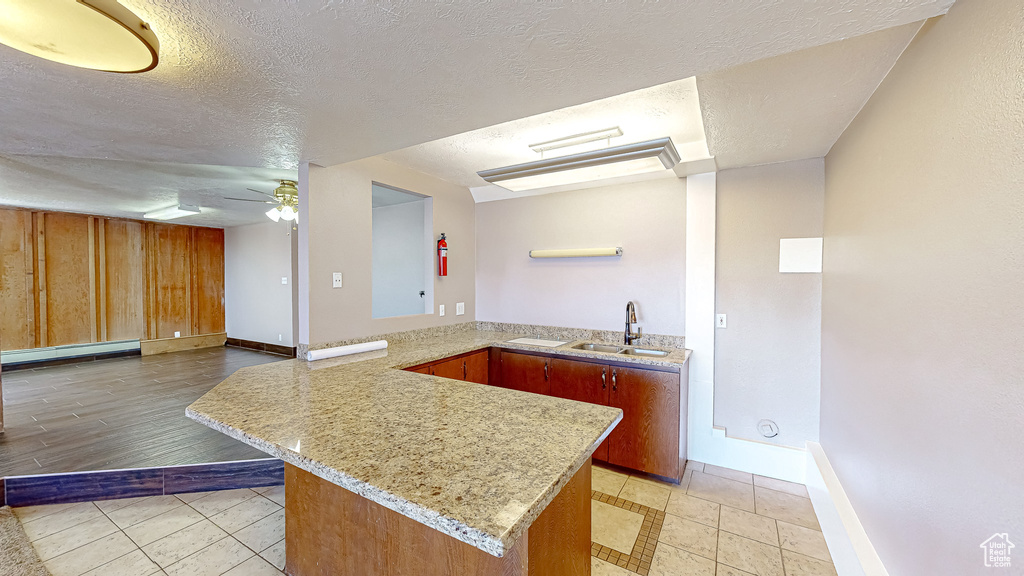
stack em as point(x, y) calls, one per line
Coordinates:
point(274, 214)
point(287, 213)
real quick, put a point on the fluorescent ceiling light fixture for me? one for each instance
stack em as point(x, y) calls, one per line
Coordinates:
point(629, 159)
point(97, 34)
point(576, 253)
point(172, 212)
point(577, 139)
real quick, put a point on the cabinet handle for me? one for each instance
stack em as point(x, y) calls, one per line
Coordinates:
point(604, 379)
point(614, 387)
point(463, 369)
point(545, 370)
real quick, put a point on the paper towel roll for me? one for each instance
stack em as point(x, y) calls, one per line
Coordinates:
point(346, 350)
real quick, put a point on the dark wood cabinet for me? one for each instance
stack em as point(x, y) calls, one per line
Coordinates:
point(583, 382)
point(525, 372)
point(652, 399)
point(648, 437)
point(470, 367)
point(453, 368)
point(477, 367)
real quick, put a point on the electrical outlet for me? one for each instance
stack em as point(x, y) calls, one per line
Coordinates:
point(177, 334)
point(460, 308)
point(337, 279)
point(279, 338)
point(284, 279)
point(720, 321)
point(440, 309)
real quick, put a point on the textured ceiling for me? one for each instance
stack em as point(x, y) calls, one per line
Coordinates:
point(262, 83)
point(670, 109)
point(788, 107)
point(259, 83)
point(796, 105)
point(129, 189)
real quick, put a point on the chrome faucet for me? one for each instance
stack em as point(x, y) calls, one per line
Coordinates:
point(631, 336)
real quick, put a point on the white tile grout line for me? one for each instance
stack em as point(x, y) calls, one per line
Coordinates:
point(205, 517)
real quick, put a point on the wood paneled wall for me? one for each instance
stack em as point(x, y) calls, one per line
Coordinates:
point(74, 279)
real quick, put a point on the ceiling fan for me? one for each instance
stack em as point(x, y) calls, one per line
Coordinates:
point(286, 196)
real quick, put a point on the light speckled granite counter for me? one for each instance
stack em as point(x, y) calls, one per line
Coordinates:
point(476, 462)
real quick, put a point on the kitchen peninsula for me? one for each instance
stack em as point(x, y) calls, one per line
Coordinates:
point(388, 471)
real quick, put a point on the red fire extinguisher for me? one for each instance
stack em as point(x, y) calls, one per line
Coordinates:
point(442, 256)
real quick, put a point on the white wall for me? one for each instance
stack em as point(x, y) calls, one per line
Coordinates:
point(647, 219)
point(256, 305)
point(400, 266)
point(922, 401)
point(337, 237)
point(768, 358)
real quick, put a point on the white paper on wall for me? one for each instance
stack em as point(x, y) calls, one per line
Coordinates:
point(800, 255)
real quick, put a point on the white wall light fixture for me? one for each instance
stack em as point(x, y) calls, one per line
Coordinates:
point(172, 212)
point(626, 160)
point(96, 34)
point(576, 253)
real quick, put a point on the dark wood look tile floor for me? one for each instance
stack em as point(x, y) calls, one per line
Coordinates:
point(117, 413)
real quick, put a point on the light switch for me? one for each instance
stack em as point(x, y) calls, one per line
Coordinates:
point(720, 321)
point(440, 309)
point(337, 279)
point(177, 334)
point(460, 308)
point(284, 279)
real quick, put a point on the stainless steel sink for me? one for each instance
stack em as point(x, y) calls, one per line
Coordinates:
point(608, 348)
point(644, 352)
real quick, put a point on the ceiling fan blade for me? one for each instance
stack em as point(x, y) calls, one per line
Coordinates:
point(258, 192)
point(250, 200)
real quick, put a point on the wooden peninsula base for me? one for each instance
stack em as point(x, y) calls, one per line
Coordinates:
point(331, 531)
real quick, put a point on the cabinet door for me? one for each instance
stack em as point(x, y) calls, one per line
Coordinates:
point(584, 382)
point(525, 372)
point(448, 369)
point(476, 367)
point(647, 439)
point(425, 369)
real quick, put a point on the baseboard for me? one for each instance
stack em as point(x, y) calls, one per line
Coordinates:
point(67, 354)
point(14, 366)
point(70, 487)
point(164, 345)
point(852, 551)
point(288, 351)
point(710, 444)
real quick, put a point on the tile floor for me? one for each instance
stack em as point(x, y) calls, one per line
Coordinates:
point(231, 532)
point(717, 522)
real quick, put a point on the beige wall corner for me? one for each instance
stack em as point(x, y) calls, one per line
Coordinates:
point(921, 399)
point(338, 226)
point(767, 358)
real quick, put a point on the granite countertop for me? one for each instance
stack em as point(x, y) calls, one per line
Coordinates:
point(476, 462)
